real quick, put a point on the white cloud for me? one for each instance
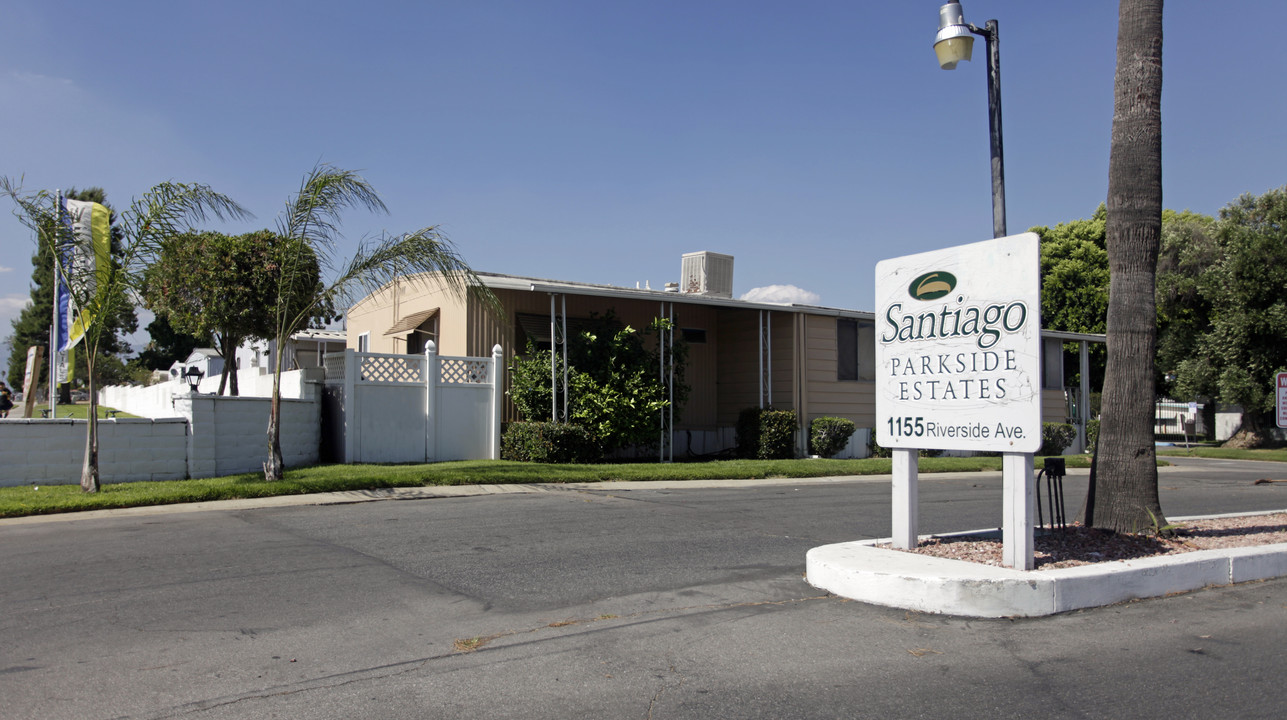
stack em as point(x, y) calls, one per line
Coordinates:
point(782, 294)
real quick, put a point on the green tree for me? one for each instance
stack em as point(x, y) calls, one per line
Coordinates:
point(31, 327)
point(1074, 286)
point(1124, 495)
point(311, 225)
point(166, 345)
point(614, 388)
point(1189, 249)
point(149, 221)
point(212, 285)
point(1225, 316)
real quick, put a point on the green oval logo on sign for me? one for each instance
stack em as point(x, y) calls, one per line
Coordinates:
point(932, 285)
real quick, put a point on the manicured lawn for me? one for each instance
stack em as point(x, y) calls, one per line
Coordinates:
point(45, 499)
point(1219, 453)
point(79, 412)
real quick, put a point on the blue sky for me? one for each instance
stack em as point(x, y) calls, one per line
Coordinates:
point(599, 141)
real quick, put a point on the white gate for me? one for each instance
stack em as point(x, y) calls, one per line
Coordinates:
point(412, 408)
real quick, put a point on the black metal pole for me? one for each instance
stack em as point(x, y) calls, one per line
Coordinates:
point(993, 46)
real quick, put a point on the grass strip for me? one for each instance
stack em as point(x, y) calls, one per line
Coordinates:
point(1219, 453)
point(38, 499)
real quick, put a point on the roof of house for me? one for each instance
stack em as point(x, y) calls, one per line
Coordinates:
point(327, 335)
point(499, 281)
point(517, 282)
point(199, 354)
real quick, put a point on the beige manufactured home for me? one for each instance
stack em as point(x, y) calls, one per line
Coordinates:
point(818, 361)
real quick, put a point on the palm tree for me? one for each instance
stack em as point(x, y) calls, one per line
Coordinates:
point(1124, 493)
point(163, 212)
point(310, 225)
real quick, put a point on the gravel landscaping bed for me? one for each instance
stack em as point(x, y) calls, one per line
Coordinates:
point(1078, 545)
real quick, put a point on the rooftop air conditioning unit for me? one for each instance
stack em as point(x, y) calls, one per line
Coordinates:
point(707, 273)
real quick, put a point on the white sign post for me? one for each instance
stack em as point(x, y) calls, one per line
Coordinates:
point(958, 367)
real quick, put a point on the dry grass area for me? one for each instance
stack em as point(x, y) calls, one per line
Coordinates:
point(1078, 545)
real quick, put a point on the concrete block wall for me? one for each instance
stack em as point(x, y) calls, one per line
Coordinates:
point(230, 435)
point(52, 452)
point(215, 436)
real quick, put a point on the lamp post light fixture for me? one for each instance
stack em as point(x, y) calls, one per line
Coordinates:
point(954, 44)
point(193, 376)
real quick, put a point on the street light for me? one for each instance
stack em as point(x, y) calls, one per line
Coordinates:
point(193, 376)
point(954, 44)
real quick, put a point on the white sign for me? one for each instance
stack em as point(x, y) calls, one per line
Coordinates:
point(1280, 391)
point(958, 348)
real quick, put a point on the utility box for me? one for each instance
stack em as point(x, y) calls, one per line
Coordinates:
point(707, 273)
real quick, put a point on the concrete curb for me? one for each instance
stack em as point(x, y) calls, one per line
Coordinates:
point(861, 571)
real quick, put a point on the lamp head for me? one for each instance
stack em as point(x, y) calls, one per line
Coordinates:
point(954, 42)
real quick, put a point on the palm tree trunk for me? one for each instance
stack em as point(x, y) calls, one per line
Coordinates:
point(1126, 498)
point(273, 468)
point(89, 479)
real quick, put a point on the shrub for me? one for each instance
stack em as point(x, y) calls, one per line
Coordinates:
point(1055, 438)
point(876, 450)
point(614, 390)
point(766, 434)
point(548, 442)
point(1092, 433)
point(829, 435)
point(777, 435)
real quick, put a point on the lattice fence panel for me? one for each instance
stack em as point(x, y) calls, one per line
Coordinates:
point(334, 364)
point(391, 369)
point(463, 371)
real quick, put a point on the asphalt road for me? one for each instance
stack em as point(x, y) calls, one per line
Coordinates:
point(612, 602)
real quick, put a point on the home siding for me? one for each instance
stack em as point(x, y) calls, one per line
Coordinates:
point(1054, 406)
point(827, 396)
point(378, 312)
point(738, 358)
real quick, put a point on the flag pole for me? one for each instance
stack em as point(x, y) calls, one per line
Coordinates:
point(53, 337)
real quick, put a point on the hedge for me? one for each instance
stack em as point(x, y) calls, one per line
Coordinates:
point(766, 434)
point(548, 442)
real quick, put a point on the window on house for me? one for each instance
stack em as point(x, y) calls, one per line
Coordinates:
point(536, 328)
point(419, 338)
point(364, 342)
point(855, 349)
point(693, 335)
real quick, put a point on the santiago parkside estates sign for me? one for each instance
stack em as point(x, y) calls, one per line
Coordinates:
point(958, 348)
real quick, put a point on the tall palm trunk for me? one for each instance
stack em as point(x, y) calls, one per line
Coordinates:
point(89, 477)
point(274, 469)
point(1125, 497)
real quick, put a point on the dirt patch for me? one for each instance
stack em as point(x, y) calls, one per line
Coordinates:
point(1082, 546)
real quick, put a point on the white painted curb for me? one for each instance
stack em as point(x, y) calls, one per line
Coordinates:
point(861, 571)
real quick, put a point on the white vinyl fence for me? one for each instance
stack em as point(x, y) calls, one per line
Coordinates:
point(383, 408)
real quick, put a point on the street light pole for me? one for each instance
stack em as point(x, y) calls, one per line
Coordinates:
point(954, 44)
point(993, 47)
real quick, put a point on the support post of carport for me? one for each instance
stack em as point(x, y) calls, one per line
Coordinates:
point(1083, 398)
point(666, 352)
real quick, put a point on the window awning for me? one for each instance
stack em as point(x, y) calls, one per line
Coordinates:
point(411, 322)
